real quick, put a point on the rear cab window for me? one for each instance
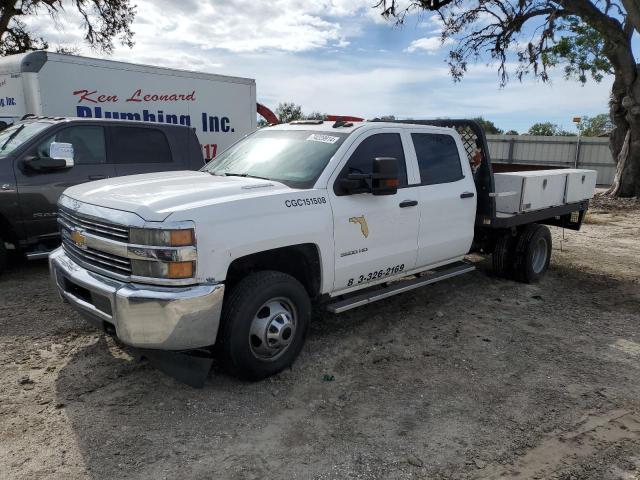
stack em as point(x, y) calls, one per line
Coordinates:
point(438, 158)
point(139, 145)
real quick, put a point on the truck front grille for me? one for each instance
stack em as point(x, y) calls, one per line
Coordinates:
point(90, 257)
point(100, 228)
point(95, 258)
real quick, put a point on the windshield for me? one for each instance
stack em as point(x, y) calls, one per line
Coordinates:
point(15, 135)
point(293, 157)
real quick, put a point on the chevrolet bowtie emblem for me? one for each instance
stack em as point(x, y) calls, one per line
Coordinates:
point(364, 228)
point(79, 239)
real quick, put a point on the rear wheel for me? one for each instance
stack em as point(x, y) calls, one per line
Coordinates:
point(532, 253)
point(264, 324)
point(502, 257)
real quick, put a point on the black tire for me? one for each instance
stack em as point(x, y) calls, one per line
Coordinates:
point(239, 348)
point(502, 257)
point(532, 253)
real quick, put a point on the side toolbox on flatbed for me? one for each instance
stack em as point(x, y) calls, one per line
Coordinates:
point(519, 192)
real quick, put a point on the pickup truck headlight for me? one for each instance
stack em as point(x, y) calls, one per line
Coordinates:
point(157, 269)
point(162, 253)
point(162, 238)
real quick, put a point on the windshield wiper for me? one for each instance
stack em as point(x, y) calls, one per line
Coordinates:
point(227, 174)
point(12, 136)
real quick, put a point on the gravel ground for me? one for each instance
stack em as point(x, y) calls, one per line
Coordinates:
point(475, 377)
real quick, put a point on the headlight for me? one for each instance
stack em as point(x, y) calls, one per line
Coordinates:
point(162, 238)
point(162, 253)
point(174, 270)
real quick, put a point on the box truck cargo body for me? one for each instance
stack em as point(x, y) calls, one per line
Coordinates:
point(220, 108)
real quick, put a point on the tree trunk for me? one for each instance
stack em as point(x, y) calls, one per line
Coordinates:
point(625, 139)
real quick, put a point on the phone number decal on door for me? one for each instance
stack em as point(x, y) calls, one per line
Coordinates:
point(371, 276)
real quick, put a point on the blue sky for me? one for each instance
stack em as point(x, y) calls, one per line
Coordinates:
point(338, 57)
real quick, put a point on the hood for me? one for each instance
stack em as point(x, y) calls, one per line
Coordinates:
point(154, 196)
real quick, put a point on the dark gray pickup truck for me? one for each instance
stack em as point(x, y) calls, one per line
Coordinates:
point(42, 156)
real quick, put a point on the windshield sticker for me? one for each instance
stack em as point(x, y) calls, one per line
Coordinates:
point(316, 137)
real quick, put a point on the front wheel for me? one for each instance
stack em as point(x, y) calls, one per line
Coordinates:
point(264, 324)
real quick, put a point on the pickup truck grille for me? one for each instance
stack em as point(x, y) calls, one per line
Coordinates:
point(100, 228)
point(94, 258)
point(90, 257)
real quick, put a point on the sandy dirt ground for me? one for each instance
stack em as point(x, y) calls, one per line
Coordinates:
point(475, 377)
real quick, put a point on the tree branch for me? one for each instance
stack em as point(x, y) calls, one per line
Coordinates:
point(9, 11)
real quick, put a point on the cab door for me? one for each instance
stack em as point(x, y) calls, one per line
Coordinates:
point(375, 236)
point(447, 197)
point(38, 191)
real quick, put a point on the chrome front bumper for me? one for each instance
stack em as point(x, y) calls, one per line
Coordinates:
point(165, 318)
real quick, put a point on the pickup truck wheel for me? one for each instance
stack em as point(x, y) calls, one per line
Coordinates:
point(532, 253)
point(502, 257)
point(264, 324)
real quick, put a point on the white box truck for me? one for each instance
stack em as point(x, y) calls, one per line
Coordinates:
point(220, 108)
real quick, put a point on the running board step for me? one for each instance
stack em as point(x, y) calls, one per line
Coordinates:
point(399, 287)
point(38, 255)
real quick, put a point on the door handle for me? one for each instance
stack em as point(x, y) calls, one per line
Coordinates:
point(408, 203)
point(97, 177)
point(467, 195)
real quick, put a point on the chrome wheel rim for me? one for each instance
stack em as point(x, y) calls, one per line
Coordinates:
point(273, 328)
point(539, 259)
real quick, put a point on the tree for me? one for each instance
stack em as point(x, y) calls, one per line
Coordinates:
point(589, 38)
point(314, 116)
point(102, 22)
point(488, 126)
point(548, 129)
point(597, 126)
point(288, 112)
point(511, 132)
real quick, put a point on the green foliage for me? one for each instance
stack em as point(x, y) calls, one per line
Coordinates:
point(488, 126)
point(314, 116)
point(596, 126)
point(548, 129)
point(579, 49)
point(288, 112)
point(511, 132)
point(102, 22)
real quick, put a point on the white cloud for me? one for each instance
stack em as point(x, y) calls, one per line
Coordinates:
point(325, 55)
point(427, 44)
point(232, 25)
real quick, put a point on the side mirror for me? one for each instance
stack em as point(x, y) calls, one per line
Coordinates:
point(384, 180)
point(60, 157)
point(44, 164)
point(62, 151)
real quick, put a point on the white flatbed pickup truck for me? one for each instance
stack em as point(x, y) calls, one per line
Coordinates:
point(335, 213)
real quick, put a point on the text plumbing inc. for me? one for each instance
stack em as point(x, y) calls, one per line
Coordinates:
point(208, 122)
